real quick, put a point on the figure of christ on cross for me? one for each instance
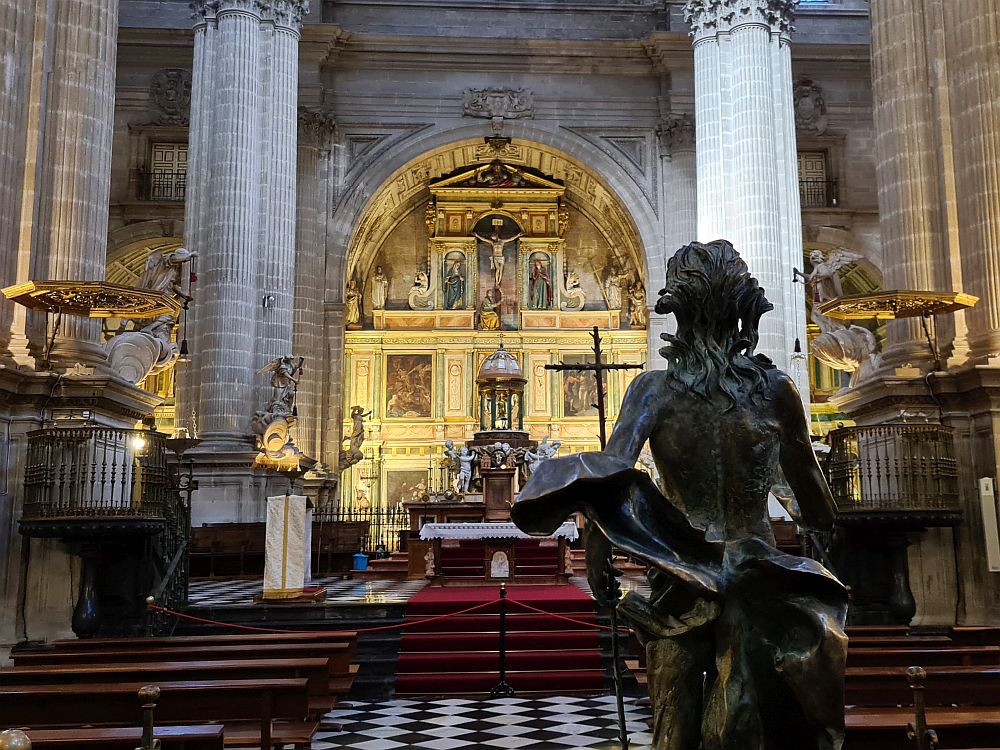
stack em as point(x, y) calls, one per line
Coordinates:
point(598, 367)
point(497, 243)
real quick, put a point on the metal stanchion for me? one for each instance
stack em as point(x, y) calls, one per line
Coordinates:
point(614, 592)
point(925, 738)
point(502, 689)
point(148, 694)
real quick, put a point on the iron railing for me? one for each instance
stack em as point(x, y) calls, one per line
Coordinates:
point(893, 468)
point(96, 472)
point(385, 525)
point(819, 194)
point(161, 184)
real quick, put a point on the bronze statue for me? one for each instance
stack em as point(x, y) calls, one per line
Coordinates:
point(745, 645)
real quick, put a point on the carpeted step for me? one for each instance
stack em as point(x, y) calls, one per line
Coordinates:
point(489, 661)
point(553, 683)
point(553, 639)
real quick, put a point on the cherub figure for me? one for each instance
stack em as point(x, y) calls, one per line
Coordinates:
point(465, 460)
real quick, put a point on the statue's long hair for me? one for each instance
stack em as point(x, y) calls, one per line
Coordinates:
point(718, 306)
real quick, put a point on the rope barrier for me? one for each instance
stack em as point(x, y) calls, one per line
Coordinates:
point(182, 615)
point(563, 617)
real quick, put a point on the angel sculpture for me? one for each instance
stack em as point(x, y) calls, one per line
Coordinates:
point(465, 461)
point(164, 271)
point(353, 453)
point(851, 348)
point(272, 424)
point(574, 298)
point(421, 296)
point(542, 452)
point(823, 282)
point(451, 463)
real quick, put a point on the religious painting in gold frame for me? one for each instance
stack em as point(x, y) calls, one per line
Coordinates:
point(409, 386)
point(579, 389)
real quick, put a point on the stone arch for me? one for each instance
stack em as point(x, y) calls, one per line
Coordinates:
point(400, 161)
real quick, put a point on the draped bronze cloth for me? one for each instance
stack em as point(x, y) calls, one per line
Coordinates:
point(765, 628)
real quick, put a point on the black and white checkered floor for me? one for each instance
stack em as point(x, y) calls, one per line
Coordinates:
point(231, 592)
point(555, 723)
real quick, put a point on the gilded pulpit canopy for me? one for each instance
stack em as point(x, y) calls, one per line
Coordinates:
point(501, 391)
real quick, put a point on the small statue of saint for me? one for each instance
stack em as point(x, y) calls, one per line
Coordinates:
point(540, 286)
point(454, 287)
point(489, 318)
point(380, 289)
point(637, 315)
point(352, 305)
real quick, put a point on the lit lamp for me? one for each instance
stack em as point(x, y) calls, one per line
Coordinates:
point(14, 739)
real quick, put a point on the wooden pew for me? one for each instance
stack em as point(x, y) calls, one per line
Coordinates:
point(246, 706)
point(209, 737)
point(339, 654)
point(927, 657)
point(180, 641)
point(316, 671)
point(887, 686)
point(884, 728)
point(909, 641)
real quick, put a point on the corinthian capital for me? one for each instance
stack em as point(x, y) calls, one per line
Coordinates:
point(704, 17)
point(202, 9)
point(708, 17)
point(677, 133)
point(287, 13)
point(316, 126)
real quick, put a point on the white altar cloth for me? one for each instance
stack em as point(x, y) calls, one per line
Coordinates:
point(429, 531)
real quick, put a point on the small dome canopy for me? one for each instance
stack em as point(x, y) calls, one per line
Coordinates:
point(500, 366)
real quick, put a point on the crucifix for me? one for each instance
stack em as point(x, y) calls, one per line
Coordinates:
point(598, 367)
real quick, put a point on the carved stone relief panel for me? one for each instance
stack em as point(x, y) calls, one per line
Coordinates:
point(539, 401)
point(362, 384)
point(455, 386)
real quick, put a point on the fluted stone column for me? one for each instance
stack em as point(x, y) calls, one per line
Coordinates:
point(973, 40)
point(680, 214)
point(71, 225)
point(906, 165)
point(747, 174)
point(315, 131)
point(198, 204)
point(15, 67)
point(277, 277)
point(228, 310)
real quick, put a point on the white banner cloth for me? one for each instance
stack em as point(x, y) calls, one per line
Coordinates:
point(429, 531)
point(287, 550)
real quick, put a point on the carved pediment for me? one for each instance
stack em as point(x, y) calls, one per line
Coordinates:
point(498, 175)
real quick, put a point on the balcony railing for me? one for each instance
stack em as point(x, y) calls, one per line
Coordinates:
point(381, 526)
point(161, 184)
point(819, 193)
point(894, 470)
point(84, 473)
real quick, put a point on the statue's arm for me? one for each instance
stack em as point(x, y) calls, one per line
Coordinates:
point(637, 418)
point(799, 464)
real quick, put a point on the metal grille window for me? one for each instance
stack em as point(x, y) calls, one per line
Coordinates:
point(815, 189)
point(167, 174)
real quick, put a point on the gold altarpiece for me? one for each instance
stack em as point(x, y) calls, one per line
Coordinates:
point(415, 369)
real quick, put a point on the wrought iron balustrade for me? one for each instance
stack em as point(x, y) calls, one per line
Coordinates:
point(894, 470)
point(96, 472)
point(819, 194)
point(384, 524)
point(161, 184)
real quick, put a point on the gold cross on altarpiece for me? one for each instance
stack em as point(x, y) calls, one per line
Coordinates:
point(598, 367)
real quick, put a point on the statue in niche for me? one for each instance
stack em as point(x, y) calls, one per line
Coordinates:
point(574, 298)
point(421, 296)
point(497, 244)
point(380, 289)
point(539, 285)
point(499, 565)
point(454, 286)
point(489, 318)
point(637, 306)
point(352, 305)
point(745, 645)
point(616, 281)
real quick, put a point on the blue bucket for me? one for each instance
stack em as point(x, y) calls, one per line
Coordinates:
point(361, 561)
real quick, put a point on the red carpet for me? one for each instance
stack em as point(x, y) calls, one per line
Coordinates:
point(459, 655)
